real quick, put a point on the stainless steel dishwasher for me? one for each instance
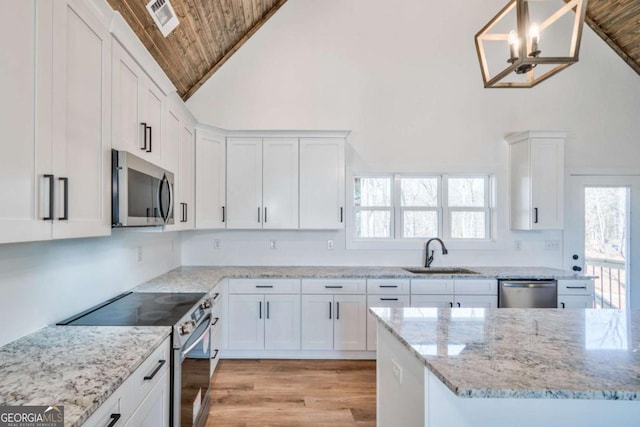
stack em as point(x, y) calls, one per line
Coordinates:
point(528, 294)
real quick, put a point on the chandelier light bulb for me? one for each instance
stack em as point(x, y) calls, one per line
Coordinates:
point(514, 46)
point(534, 36)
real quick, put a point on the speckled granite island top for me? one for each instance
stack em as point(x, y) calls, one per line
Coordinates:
point(75, 366)
point(524, 353)
point(203, 279)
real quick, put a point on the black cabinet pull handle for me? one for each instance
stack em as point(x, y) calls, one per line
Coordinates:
point(186, 212)
point(576, 287)
point(562, 304)
point(329, 309)
point(114, 419)
point(451, 304)
point(388, 299)
point(264, 286)
point(215, 354)
point(216, 295)
point(155, 371)
point(459, 305)
point(65, 202)
point(388, 286)
point(265, 214)
point(223, 214)
point(267, 309)
point(258, 213)
point(51, 193)
point(333, 286)
point(215, 321)
point(260, 310)
point(144, 135)
point(341, 214)
point(148, 212)
point(535, 213)
point(150, 139)
point(337, 311)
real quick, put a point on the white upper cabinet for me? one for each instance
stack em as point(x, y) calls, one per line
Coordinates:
point(537, 180)
point(262, 183)
point(56, 171)
point(244, 183)
point(210, 191)
point(280, 182)
point(137, 108)
point(23, 157)
point(322, 183)
point(81, 121)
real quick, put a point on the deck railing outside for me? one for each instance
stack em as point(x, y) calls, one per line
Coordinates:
point(610, 283)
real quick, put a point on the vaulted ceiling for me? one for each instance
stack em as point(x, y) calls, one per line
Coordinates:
point(211, 31)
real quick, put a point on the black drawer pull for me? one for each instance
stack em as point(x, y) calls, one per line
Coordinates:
point(223, 214)
point(114, 419)
point(155, 371)
point(337, 311)
point(388, 299)
point(576, 287)
point(264, 286)
point(215, 355)
point(388, 286)
point(215, 321)
point(216, 295)
point(333, 286)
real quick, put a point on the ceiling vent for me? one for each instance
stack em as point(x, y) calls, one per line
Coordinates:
point(163, 15)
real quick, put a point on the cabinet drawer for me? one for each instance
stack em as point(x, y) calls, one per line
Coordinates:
point(387, 286)
point(388, 301)
point(476, 287)
point(431, 286)
point(264, 286)
point(114, 407)
point(150, 372)
point(575, 287)
point(331, 286)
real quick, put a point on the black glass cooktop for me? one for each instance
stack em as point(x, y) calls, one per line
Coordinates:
point(137, 309)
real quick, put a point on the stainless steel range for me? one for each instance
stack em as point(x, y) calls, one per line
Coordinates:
point(189, 315)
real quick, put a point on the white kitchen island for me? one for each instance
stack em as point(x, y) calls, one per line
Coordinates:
point(507, 367)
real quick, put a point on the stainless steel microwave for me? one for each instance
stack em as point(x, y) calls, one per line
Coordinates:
point(142, 193)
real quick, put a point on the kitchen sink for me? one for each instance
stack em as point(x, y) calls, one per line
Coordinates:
point(441, 270)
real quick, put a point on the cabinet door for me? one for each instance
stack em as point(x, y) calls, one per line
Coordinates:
point(432, 301)
point(280, 182)
point(152, 104)
point(246, 322)
point(317, 322)
point(128, 83)
point(381, 301)
point(244, 183)
point(185, 212)
point(350, 324)
point(21, 178)
point(476, 301)
point(282, 322)
point(81, 121)
point(322, 183)
point(154, 409)
point(575, 301)
point(210, 180)
point(547, 181)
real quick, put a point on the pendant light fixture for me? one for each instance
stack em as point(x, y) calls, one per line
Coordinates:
point(528, 41)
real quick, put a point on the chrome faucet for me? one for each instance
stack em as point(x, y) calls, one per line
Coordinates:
point(429, 258)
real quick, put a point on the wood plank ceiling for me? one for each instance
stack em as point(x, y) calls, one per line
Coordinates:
point(211, 31)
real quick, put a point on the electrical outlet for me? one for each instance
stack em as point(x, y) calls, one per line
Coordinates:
point(216, 244)
point(330, 244)
point(396, 369)
point(517, 245)
point(272, 244)
point(139, 253)
point(552, 245)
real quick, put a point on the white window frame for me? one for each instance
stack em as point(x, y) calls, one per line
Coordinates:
point(396, 241)
point(438, 209)
point(389, 209)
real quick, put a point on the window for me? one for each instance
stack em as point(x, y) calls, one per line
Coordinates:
point(400, 207)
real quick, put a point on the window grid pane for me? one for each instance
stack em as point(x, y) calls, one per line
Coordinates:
point(467, 192)
point(420, 223)
point(372, 192)
point(371, 223)
point(468, 224)
point(419, 192)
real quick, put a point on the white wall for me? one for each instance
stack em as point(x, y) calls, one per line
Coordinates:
point(45, 282)
point(404, 78)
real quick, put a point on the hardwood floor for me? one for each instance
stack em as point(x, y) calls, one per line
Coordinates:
point(293, 393)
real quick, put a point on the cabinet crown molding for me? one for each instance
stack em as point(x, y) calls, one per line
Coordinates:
point(521, 136)
point(275, 133)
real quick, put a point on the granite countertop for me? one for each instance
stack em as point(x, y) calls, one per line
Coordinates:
point(204, 279)
point(524, 353)
point(78, 367)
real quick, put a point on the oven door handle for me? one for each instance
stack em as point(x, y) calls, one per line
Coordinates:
point(206, 320)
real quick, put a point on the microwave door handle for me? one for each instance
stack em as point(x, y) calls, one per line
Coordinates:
point(170, 208)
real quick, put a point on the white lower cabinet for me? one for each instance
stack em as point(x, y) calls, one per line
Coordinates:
point(143, 399)
point(334, 322)
point(381, 301)
point(575, 301)
point(576, 293)
point(264, 322)
point(454, 293)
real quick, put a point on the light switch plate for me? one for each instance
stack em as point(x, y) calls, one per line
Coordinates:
point(397, 371)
